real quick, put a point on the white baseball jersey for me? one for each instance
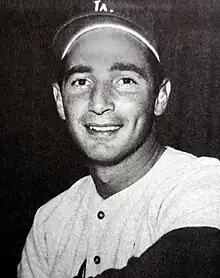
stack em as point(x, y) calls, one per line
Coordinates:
point(180, 190)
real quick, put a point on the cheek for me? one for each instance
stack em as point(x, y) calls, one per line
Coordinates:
point(74, 106)
point(138, 105)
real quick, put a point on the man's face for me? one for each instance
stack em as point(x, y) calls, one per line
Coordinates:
point(107, 95)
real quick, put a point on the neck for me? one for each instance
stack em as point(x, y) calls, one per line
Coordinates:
point(112, 179)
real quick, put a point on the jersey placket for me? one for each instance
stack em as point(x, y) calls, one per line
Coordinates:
point(106, 223)
point(97, 223)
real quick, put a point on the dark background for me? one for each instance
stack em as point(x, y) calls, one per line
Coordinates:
point(38, 159)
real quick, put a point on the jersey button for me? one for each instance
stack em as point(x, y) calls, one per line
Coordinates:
point(97, 260)
point(101, 215)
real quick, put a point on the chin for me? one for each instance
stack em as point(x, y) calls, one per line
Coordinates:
point(103, 157)
point(110, 157)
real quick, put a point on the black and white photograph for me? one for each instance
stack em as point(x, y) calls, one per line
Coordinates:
point(110, 138)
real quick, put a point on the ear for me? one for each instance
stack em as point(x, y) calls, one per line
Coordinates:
point(59, 101)
point(163, 97)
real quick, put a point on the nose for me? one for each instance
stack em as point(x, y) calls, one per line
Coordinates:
point(101, 100)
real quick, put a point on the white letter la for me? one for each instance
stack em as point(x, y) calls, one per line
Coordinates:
point(102, 8)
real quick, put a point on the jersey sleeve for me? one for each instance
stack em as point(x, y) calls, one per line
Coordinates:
point(33, 263)
point(195, 202)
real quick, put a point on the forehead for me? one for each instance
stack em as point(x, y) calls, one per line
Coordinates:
point(106, 46)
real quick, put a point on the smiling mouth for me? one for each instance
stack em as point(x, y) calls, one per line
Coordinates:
point(108, 128)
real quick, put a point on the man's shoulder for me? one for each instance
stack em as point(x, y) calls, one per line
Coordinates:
point(191, 197)
point(188, 173)
point(202, 173)
point(193, 161)
point(65, 201)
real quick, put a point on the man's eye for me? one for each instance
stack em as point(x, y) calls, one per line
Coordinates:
point(81, 82)
point(126, 81)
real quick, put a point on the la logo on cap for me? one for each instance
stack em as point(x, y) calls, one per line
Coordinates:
point(101, 7)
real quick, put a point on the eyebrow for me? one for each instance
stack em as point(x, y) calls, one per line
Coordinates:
point(116, 66)
point(129, 67)
point(76, 69)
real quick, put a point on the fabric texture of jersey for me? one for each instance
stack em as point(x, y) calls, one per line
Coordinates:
point(180, 190)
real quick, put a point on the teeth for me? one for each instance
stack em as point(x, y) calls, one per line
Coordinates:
point(104, 128)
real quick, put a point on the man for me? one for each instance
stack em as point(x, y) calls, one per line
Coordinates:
point(146, 210)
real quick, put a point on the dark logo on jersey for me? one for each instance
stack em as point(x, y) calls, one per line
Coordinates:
point(82, 271)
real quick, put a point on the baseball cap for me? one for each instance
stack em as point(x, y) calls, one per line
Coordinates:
point(133, 17)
